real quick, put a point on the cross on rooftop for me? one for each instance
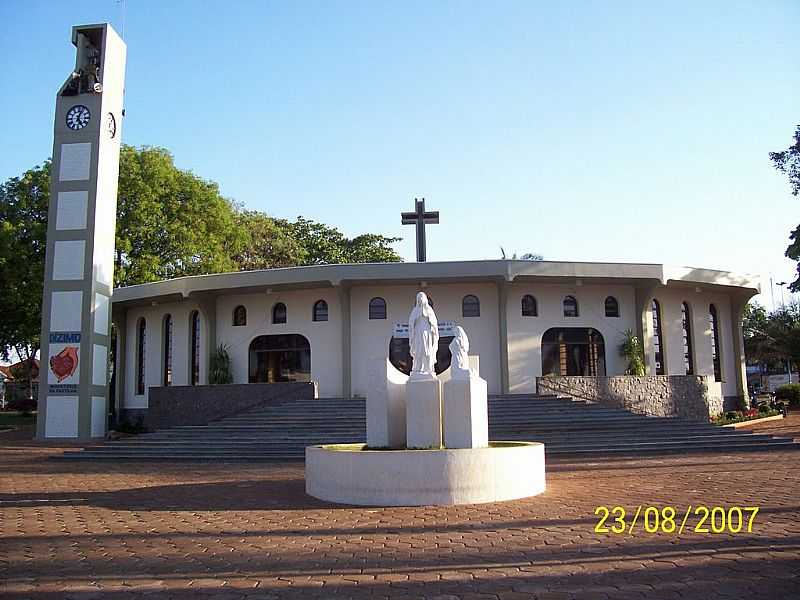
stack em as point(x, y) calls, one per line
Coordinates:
point(420, 218)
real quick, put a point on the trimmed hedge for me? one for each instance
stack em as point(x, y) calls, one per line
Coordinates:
point(789, 392)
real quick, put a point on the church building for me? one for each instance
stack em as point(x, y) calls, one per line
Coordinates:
point(525, 320)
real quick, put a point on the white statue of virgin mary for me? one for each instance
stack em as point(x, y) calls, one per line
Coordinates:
point(423, 334)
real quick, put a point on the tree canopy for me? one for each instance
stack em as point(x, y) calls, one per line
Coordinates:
point(788, 162)
point(772, 338)
point(170, 223)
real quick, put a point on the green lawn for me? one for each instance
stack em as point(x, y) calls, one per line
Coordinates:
point(9, 419)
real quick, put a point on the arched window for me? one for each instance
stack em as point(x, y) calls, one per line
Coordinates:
point(658, 339)
point(239, 316)
point(612, 307)
point(470, 306)
point(713, 319)
point(194, 347)
point(141, 341)
point(167, 337)
point(529, 308)
point(279, 313)
point(570, 306)
point(573, 351)
point(377, 308)
point(320, 310)
point(688, 355)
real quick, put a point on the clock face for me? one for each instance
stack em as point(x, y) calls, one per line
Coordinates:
point(78, 117)
point(111, 125)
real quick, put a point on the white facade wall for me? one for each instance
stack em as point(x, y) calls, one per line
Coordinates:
point(154, 348)
point(699, 303)
point(370, 339)
point(525, 333)
point(325, 337)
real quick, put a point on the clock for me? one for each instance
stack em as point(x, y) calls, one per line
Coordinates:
point(78, 117)
point(111, 125)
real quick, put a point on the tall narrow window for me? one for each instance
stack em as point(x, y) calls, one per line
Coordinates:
point(377, 308)
point(194, 340)
point(167, 337)
point(470, 306)
point(141, 335)
point(714, 322)
point(658, 340)
point(612, 307)
point(688, 356)
point(279, 313)
point(239, 316)
point(570, 306)
point(320, 312)
point(529, 308)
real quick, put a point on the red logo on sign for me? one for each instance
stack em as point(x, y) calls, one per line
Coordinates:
point(64, 363)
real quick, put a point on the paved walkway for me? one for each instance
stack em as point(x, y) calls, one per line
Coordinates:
point(228, 531)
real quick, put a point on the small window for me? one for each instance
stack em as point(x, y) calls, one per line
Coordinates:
point(377, 308)
point(320, 310)
point(141, 340)
point(470, 306)
point(279, 313)
point(612, 307)
point(570, 306)
point(529, 308)
point(239, 316)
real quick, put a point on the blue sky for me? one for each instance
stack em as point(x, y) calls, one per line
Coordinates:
point(620, 131)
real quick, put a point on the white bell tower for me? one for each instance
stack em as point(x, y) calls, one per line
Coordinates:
point(79, 270)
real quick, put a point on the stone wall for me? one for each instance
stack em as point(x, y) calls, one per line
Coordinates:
point(201, 404)
point(687, 396)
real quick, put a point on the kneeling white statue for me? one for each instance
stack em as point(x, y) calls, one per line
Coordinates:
point(466, 423)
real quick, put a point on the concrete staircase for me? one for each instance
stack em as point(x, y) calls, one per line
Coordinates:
point(568, 428)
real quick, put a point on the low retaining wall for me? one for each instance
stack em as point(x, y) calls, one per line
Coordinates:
point(201, 404)
point(688, 396)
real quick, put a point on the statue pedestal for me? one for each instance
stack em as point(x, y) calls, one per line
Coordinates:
point(466, 419)
point(423, 412)
point(386, 405)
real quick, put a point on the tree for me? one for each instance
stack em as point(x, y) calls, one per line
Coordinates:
point(772, 338)
point(269, 243)
point(170, 222)
point(23, 233)
point(327, 245)
point(788, 162)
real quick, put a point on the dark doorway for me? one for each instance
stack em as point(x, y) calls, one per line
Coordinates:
point(400, 355)
point(573, 351)
point(277, 358)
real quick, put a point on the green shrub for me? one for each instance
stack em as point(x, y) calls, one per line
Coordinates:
point(631, 350)
point(220, 371)
point(789, 392)
point(763, 408)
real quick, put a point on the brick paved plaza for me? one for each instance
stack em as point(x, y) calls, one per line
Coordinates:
point(191, 530)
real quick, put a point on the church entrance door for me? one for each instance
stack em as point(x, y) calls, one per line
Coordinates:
point(278, 358)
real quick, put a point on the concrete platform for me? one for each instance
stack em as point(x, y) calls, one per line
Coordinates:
point(349, 474)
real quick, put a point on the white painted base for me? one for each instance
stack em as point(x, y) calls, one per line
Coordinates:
point(386, 405)
point(347, 474)
point(423, 412)
point(466, 418)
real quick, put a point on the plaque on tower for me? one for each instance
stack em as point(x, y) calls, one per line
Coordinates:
point(73, 400)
